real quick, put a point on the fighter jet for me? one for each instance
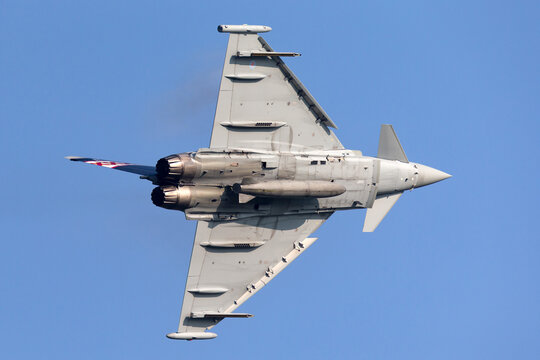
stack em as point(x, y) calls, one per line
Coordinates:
point(274, 172)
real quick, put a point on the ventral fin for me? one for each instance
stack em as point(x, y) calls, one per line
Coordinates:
point(244, 198)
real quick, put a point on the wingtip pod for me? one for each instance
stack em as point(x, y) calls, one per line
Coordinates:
point(192, 336)
point(253, 29)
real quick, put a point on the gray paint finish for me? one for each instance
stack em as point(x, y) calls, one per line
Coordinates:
point(389, 145)
point(263, 90)
point(238, 268)
point(274, 172)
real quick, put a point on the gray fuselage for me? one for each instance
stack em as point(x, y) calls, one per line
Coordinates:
point(208, 192)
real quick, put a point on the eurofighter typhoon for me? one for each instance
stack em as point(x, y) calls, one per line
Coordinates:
point(274, 172)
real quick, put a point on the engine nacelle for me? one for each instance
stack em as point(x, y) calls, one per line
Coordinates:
point(185, 197)
point(173, 168)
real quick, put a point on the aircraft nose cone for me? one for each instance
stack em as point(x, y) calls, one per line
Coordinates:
point(428, 175)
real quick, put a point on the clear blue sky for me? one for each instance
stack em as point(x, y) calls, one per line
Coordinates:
point(92, 270)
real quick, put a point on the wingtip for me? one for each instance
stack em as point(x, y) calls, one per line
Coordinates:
point(245, 28)
point(73, 158)
point(192, 336)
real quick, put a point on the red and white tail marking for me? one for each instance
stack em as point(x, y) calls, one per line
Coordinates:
point(107, 164)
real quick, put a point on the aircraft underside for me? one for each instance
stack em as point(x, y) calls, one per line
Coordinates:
point(274, 172)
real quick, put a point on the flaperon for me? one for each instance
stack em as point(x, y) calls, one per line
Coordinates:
point(274, 172)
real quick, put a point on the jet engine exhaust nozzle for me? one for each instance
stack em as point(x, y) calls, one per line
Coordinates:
point(173, 168)
point(170, 168)
point(165, 196)
point(185, 197)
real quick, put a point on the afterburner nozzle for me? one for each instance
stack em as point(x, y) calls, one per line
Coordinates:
point(428, 175)
point(173, 168)
point(165, 196)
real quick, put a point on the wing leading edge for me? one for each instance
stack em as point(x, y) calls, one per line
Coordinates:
point(261, 104)
point(232, 260)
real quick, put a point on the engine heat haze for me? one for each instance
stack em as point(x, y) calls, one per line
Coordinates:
point(274, 172)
